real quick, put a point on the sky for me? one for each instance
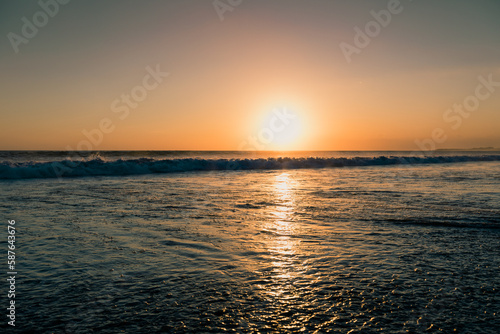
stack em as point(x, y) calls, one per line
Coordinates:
point(249, 74)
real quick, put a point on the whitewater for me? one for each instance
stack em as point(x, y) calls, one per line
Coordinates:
point(105, 164)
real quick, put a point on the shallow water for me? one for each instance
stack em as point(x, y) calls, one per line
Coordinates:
point(391, 249)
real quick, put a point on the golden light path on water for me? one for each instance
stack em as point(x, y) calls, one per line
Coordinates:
point(285, 269)
point(283, 248)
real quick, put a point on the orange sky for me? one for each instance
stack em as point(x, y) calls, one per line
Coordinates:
point(227, 78)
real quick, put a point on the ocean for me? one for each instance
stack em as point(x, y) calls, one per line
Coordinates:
point(253, 242)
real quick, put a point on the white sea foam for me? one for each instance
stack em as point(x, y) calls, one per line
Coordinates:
point(121, 167)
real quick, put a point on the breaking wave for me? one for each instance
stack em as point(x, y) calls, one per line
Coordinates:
point(121, 167)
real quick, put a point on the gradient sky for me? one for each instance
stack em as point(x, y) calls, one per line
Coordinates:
point(226, 77)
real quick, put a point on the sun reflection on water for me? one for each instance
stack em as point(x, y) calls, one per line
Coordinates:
point(284, 198)
point(284, 267)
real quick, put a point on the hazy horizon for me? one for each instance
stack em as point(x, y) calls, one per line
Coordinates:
point(250, 151)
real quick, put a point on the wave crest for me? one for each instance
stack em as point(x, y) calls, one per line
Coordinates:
point(100, 167)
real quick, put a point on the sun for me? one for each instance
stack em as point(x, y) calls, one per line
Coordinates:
point(281, 129)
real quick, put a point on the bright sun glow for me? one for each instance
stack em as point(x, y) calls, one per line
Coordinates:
point(281, 129)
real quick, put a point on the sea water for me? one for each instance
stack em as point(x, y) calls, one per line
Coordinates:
point(213, 242)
